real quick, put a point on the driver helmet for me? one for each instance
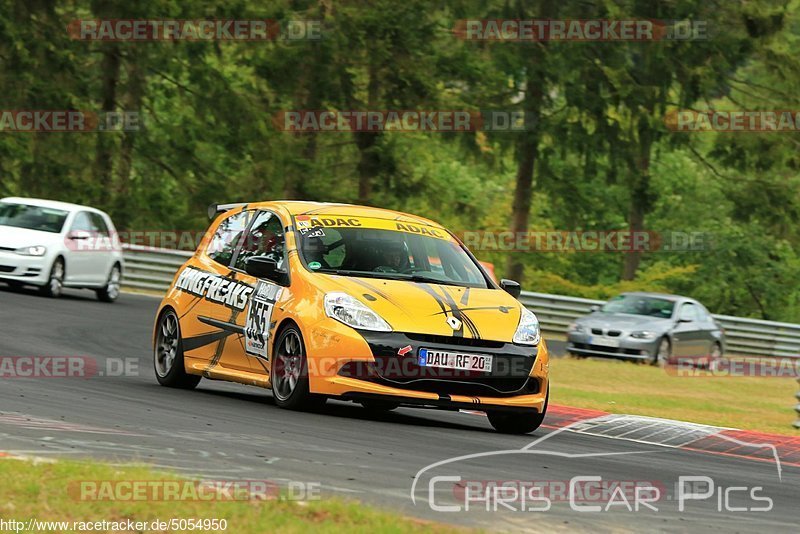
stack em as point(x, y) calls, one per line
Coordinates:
point(395, 255)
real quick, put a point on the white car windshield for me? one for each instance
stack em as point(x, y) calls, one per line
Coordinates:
point(32, 217)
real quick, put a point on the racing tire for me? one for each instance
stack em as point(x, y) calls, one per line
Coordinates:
point(168, 360)
point(55, 282)
point(714, 357)
point(662, 354)
point(110, 291)
point(518, 422)
point(289, 373)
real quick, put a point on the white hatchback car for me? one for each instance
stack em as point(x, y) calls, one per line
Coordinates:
point(54, 245)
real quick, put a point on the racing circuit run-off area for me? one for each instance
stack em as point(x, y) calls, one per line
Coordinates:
point(399, 266)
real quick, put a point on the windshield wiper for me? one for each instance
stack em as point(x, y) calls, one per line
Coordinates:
point(429, 280)
point(363, 274)
point(392, 276)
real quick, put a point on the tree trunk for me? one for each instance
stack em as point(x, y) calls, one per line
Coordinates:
point(369, 163)
point(641, 202)
point(123, 210)
point(527, 152)
point(105, 142)
point(294, 187)
point(635, 225)
point(521, 210)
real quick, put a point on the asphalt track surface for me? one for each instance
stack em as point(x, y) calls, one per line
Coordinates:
point(225, 431)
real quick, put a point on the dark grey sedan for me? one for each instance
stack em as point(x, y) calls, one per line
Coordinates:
point(653, 327)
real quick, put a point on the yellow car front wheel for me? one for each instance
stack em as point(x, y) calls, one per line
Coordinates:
point(518, 422)
point(289, 375)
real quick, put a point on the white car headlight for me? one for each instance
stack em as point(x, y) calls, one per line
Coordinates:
point(32, 251)
point(575, 327)
point(528, 332)
point(643, 334)
point(350, 311)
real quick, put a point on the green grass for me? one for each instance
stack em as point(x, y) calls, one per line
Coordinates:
point(42, 491)
point(749, 403)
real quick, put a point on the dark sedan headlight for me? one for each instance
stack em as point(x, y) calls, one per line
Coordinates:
point(643, 334)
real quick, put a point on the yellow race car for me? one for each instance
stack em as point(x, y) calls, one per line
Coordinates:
point(320, 301)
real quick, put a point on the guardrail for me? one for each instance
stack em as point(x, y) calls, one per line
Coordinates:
point(152, 268)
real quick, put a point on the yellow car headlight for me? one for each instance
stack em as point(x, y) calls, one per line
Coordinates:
point(352, 312)
point(528, 331)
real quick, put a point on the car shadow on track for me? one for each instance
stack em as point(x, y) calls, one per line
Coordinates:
point(33, 292)
point(347, 410)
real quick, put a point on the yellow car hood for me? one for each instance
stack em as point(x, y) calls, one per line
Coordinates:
point(424, 308)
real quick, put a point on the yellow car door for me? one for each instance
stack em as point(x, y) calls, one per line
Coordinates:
point(265, 239)
point(213, 318)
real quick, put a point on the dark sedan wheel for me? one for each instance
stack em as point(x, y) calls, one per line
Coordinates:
point(715, 356)
point(168, 354)
point(663, 352)
point(289, 374)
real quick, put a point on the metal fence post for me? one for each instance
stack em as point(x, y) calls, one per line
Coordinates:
point(797, 407)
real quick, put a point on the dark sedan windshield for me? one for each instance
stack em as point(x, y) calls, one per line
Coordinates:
point(640, 305)
point(32, 217)
point(389, 254)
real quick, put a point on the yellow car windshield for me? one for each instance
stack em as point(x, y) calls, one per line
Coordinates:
point(380, 248)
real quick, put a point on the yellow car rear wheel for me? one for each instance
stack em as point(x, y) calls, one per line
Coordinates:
point(168, 354)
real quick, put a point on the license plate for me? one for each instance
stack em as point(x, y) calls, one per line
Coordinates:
point(455, 360)
point(605, 342)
